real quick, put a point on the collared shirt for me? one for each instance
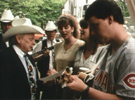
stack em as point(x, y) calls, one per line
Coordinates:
point(51, 54)
point(21, 54)
point(38, 47)
point(7, 43)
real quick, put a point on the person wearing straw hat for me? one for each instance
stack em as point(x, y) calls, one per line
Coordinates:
point(19, 77)
point(6, 20)
point(46, 63)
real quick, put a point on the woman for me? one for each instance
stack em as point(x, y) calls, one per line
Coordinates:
point(66, 50)
point(88, 55)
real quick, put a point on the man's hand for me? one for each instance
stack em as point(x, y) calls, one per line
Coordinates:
point(46, 52)
point(76, 84)
point(40, 54)
point(51, 72)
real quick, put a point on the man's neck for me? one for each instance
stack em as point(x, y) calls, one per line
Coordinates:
point(117, 43)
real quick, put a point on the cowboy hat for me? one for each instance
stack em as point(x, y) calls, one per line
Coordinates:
point(7, 16)
point(50, 26)
point(22, 26)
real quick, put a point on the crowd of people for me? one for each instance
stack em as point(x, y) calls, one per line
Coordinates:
point(98, 48)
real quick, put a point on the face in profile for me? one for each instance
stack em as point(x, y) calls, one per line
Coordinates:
point(100, 29)
point(51, 35)
point(84, 33)
point(26, 42)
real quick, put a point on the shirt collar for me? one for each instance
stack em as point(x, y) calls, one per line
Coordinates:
point(54, 40)
point(18, 51)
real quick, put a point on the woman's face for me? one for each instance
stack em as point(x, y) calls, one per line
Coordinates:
point(66, 31)
point(84, 33)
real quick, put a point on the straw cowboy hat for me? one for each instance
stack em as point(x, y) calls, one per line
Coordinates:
point(50, 26)
point(7, 16)
point(22, 26)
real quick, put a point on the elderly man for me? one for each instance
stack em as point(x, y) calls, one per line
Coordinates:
point(19, 77)
point(6, 20)
point(115, 77)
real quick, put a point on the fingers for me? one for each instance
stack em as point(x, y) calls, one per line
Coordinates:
point(51, 72)
point(72, 78)
point(46, 52)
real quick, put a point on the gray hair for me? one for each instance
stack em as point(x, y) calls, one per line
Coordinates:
point(13, 41)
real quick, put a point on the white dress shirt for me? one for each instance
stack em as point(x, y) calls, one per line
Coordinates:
point(21, 54)
point(38, 47)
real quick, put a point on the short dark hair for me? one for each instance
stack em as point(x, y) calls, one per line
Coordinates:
point(84, 24)
point(103, 9)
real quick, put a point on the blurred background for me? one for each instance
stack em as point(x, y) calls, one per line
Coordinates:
point(41, 11)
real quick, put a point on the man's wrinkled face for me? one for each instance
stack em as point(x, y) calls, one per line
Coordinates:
point(51, 35)
point(26, 42)
point(99, 28)
point(5, 26)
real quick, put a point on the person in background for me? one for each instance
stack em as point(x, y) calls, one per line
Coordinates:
point(6, 20)
point(19, 77)
point(116, 74)
point(46, 63)
point(65, 51)
point(47, 60)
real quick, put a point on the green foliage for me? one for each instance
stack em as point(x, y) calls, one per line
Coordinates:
point(123, 6)
point(39, 11)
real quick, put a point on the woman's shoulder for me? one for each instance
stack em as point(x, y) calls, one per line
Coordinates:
point(58, 44)
point(80, 42)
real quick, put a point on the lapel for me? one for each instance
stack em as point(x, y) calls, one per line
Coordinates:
point(17, 62)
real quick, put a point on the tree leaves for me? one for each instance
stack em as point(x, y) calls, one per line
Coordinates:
point(39, 11)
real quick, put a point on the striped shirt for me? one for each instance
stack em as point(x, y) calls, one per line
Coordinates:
point(117, 71)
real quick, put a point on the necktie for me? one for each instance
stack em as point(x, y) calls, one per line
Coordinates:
point(31, 76)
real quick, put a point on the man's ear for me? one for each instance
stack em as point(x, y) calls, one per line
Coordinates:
point(17, 38)
point(110, 19)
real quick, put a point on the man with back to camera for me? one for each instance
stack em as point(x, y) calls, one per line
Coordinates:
point(19, 77)
point(115, 78)
point(46, 63)
point(6, 20)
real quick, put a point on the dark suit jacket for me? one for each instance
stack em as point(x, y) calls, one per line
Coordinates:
point(2, 43)
point(43, 64)
point(49, 91)
point(13, 78)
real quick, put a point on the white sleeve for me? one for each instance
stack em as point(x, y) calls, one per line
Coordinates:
point(37, 47)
